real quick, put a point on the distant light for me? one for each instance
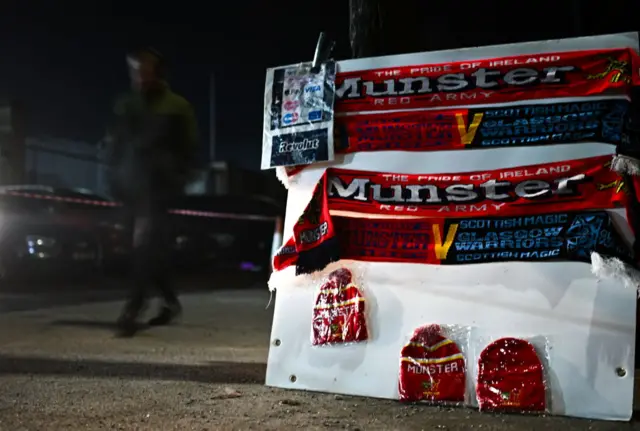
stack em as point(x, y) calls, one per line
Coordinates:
point(248, 266)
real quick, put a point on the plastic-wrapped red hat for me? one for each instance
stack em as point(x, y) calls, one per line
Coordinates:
point(339, 312)
point(511, 377)
point(432, 368)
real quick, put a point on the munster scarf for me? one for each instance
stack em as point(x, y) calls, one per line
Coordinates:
point(540, 212)
point(315, 242)
point(568, 236)
point(562, 186)
point(627, 158)
point(408, 109)
point(477, 128)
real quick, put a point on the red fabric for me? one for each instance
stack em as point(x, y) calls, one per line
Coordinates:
point(547, 237)
point(579, 74)
point(476, 128)
point(525, 190)
point(473, 193)
point(314, 234)
point(314, 226)
point(545, 189)
point(432, 368)
point(636, 186)
point(286, 256)
point(510, 377)
point(339, 312)
point(596, 72)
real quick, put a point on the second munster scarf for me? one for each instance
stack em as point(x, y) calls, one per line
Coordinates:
point(532, 213)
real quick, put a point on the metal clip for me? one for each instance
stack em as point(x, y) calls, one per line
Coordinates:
point(324, 48)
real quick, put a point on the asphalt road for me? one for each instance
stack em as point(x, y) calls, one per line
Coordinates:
point(62, 369)
point(30, 294)
point(25, 301)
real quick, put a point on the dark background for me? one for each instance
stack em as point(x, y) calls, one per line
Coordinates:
point(64, 59)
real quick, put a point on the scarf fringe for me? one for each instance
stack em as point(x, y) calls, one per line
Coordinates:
point(287, 278)
point(625, 165)
point(601, 267)
point(614, 268)
point(317, 258)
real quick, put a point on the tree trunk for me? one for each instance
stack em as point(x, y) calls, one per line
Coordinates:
point(365, 28)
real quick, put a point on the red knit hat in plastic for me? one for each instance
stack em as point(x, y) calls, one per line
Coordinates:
point(510, 377)
point(432, 368)
point(338, 315)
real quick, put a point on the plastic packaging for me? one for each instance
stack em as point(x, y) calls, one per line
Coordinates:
point(433, 365)
point(511, 375)
point(298, 115)
point(613, 268)
point(627, 158)
point(339, 310)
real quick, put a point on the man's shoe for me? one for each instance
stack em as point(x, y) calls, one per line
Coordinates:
point(126, 327)
point(167, 314)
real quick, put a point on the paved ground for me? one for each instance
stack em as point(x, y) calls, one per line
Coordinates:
point(61, 369)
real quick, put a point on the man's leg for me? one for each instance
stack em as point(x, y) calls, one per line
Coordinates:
point(141, 276)
point(163, 270)
point(171, 307)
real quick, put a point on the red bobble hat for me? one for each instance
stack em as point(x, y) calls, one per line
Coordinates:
point(510, 377)
point(432, 368)
point(338, 315)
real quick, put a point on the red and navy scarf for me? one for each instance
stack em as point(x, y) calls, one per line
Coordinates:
point(553, 211)
point(404, 108)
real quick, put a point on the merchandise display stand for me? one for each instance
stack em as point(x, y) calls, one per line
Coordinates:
point(588, 323)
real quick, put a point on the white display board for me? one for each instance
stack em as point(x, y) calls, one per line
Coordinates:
point(590, 323)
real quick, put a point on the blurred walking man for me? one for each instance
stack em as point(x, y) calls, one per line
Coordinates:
point(153, 139)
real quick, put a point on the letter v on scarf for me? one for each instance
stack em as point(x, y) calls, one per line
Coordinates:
point(467, 135)
point(442, 248)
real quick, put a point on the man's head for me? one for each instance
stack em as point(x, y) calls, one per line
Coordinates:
point(146, 70)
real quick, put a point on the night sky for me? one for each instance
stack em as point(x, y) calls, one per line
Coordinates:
point(65, 59)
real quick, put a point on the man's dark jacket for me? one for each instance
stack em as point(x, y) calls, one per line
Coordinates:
point(153, 141)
